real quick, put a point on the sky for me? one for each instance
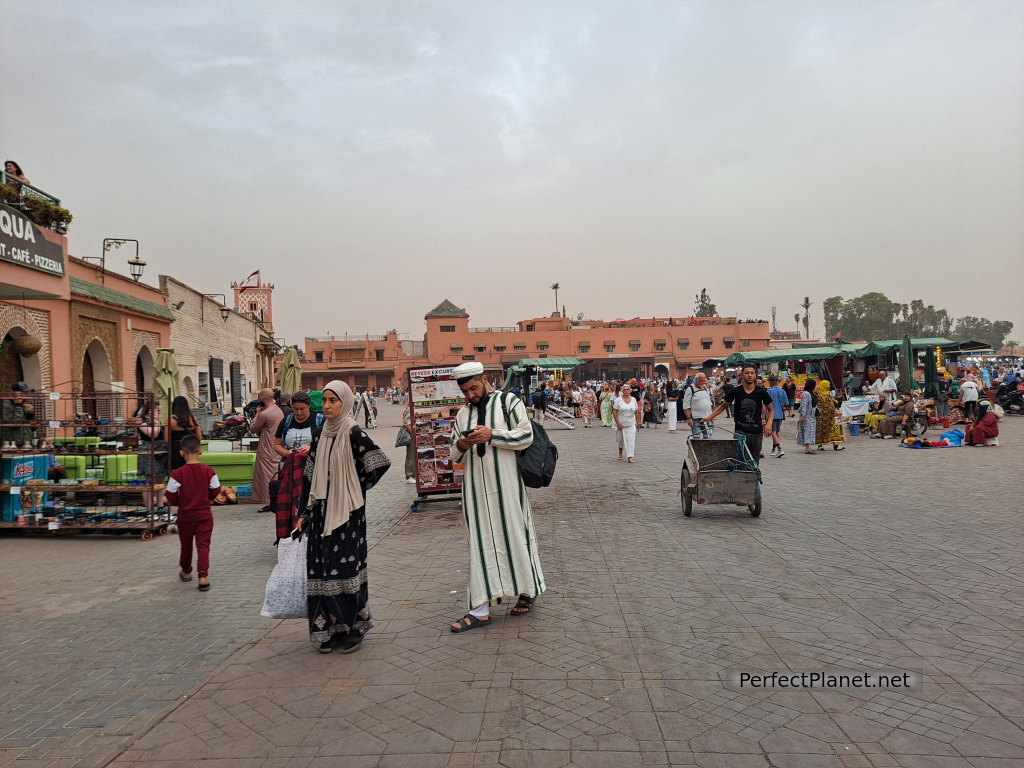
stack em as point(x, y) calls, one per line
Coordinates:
point(375, 158)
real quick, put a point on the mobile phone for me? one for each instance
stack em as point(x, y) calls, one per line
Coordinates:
point(466, 432)
point(296, 532)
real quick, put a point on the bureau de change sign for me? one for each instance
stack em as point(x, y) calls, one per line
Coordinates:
point(23, 243)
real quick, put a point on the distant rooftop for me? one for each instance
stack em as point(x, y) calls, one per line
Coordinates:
point(446, 309)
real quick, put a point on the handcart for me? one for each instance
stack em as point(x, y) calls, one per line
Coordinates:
point(717, 472)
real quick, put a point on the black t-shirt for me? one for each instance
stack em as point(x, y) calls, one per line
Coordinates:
point(746, 408)
point(299, 432)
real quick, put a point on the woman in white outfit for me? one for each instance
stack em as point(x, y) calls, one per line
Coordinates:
point(624, 410)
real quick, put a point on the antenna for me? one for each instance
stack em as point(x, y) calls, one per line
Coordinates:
point(579, 316)
point(774, 328)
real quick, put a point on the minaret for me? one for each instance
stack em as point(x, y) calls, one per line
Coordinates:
point(256, 303)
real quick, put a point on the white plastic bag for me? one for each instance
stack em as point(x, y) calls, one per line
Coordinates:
point(286, 587)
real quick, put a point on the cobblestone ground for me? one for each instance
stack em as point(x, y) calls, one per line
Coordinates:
point(874, 557)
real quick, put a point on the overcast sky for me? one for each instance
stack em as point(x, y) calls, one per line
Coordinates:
point(374, 158)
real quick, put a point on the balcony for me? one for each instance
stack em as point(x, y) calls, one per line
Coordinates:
point(42, 208)
point(495, 329)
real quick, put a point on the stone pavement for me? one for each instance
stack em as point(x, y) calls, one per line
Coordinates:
point(871, 558)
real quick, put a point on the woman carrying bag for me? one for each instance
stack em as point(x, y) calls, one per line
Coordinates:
point(343, 465)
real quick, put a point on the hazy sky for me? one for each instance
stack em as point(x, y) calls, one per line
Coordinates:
point(374, 158)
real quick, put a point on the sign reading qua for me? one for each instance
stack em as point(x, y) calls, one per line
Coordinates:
point(21, 242)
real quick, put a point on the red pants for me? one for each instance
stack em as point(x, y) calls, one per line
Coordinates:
point(198, 526)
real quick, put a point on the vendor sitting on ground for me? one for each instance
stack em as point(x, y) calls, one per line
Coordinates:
point(986, 427)
point(899, 417)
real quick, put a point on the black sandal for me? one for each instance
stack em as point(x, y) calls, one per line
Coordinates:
point(469, 621)
point(522, 606)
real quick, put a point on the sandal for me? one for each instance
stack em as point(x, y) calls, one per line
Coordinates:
point(631, 461)
point(522, 606)
point(183, 577)
point(469, 621)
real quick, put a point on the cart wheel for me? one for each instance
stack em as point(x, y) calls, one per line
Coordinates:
point(684, 484)
point(162, 530)
point(755, 508)
point(414, 508)
point(147, 535)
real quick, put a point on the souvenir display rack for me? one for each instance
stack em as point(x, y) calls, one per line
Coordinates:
point(96, 437)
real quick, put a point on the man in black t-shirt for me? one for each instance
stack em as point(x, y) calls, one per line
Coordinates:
point(751, 410)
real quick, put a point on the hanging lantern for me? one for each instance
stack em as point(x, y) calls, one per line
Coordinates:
point(26, 346)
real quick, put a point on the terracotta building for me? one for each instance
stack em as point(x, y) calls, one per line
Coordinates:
point(665, 346)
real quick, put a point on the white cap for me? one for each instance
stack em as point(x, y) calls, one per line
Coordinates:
point(466, 370)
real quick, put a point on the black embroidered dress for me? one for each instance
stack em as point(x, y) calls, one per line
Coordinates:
point(337, 592)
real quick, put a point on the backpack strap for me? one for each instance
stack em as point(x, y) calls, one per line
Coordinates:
point(504, 411)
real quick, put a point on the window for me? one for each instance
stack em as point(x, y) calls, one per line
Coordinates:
point(634, 347)
point(380, 354)
point(519, 347)
point(529, 328)
point(319, 355)
point(469, 357)
point(706, 344)
point(683, 344)
point(745, 342)
point(584, 349)
point(479, 349)
point(659, 346)
point(728, 344)
point(542, 347)
point(456, 347)
point(254, 307)
point(447, 329)
point(499, 347)
point(609, 347)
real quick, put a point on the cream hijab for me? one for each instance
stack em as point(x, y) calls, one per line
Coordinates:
point(335, 463)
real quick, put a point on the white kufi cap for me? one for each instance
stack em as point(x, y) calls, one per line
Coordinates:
point(467, 370)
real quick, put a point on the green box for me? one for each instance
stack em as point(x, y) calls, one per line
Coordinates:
point(75, 465)
point(114, 466)
point(231, 468)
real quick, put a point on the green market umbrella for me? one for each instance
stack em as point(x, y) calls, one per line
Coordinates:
point(166, 385)
point(291, 372)
point(907, 366)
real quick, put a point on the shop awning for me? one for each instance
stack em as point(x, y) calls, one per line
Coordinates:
point(546, 363)
point(707, 338)
point(766, 356)
point(890, 345)
point(634, 341)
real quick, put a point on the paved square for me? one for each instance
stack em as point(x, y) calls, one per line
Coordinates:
point(871, 558)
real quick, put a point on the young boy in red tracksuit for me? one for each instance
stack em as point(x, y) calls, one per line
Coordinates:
point(192, 488)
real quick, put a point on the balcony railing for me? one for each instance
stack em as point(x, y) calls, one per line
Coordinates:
point(27, 190)
point(495, 329)
point(42, 208)
point(354, 337)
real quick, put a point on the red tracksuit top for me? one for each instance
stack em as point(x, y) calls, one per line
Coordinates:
point(192, 488)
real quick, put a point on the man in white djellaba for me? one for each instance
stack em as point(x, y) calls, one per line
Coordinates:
point(503, 556)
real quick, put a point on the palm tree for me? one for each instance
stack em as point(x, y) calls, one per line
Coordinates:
point(555, 287)
point(807, 316)
point(796, 318)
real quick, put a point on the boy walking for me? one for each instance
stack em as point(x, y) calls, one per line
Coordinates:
point(192, 488)
point(780, 401)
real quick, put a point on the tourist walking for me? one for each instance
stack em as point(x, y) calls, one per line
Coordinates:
point(672, 403)
point(588, 405)
point(698, 403)
point(268, 419)
point(344, 463)
point(780, 402)
point(625, 410)
point(807, 425)
point(503, 561)
point(650, 398)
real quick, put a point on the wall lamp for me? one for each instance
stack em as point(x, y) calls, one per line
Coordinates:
point(136, 265)
point(225, 310)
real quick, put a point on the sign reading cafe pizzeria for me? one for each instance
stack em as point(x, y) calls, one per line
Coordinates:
point(22, 242)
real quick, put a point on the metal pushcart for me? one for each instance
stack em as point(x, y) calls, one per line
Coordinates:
point(715, 473)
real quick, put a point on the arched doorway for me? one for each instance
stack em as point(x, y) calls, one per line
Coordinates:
point(661, 370)
point(14, 367)
point(144, 373)
point(95, 378)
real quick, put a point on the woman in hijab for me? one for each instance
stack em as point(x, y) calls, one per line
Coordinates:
point(807, 426)
point(826, 431)
point(343, 465)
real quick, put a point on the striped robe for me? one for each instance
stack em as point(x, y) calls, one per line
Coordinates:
point(502, 541)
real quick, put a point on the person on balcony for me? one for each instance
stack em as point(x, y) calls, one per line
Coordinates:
point(13, 169)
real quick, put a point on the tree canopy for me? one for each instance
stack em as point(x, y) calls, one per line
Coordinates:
point(703, 306)
point(874, 316)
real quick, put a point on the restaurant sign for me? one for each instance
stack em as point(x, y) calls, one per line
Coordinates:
point(22, 242)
